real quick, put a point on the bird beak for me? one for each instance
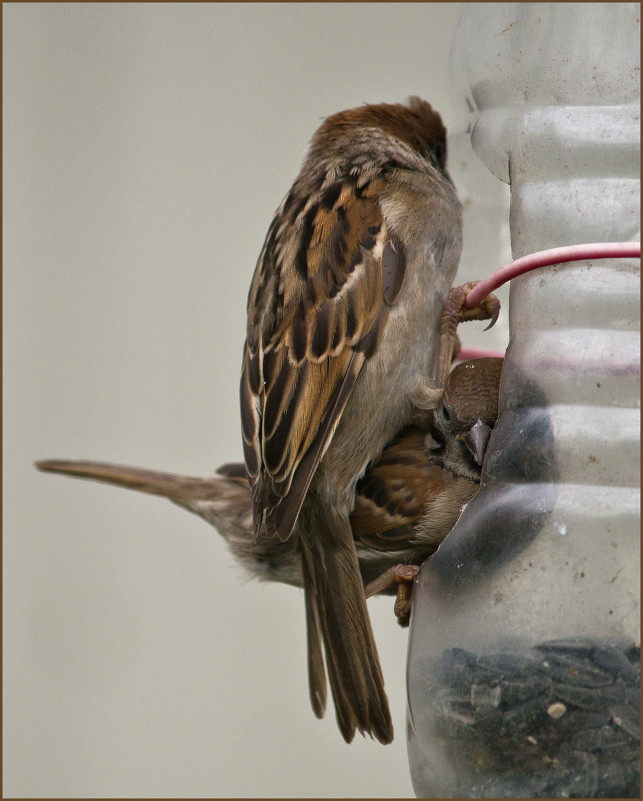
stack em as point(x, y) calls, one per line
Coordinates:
point(476, 440)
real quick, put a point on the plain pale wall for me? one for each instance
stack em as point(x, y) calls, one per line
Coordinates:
point(146, 147)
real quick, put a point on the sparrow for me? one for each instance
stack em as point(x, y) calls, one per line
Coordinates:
point(405, 504)
point(342, 341)
point(410, 499)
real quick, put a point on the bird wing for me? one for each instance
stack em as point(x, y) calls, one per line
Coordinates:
point(408, 499)
point(327, 276)
point(392, 497)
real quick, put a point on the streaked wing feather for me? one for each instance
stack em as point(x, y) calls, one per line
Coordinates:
point(326, 278)
point(394, 494)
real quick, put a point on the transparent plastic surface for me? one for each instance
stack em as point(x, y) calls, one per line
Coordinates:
point(523, 671)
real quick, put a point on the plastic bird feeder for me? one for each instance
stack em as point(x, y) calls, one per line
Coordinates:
point(523, 670)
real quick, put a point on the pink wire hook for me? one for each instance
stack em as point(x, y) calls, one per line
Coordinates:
point(545, 258)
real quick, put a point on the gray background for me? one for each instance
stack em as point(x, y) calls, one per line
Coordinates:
point(146, 147)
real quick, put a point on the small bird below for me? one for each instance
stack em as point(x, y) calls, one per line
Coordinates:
point(405, 504)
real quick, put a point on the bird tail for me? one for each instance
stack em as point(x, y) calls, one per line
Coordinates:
point(169, 485)
point(336, 612)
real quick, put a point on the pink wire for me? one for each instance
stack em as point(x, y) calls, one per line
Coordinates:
point(545, 258)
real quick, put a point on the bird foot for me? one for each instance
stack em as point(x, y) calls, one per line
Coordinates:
point(487, 309)
point(455, 312)
point(404, 577)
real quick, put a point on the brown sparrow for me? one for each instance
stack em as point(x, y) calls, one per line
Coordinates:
point(405, 504)
point(342, 343)
point(412, 496)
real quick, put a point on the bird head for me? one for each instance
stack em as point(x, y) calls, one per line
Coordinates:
point(466, 415)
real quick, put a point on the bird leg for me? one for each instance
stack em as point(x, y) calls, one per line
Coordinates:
point(404, 577)
point(427, 398)
point(455, 312)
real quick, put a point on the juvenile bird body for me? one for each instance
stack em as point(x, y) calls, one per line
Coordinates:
point(343, 330)
point(412, 495)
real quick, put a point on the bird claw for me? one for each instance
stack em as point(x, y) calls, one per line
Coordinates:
point(456, 312)
point(404, 576)
point(487, 309)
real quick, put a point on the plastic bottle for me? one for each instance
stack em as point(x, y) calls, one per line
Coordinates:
point(523, 671)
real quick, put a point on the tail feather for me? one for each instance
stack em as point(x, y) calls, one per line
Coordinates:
point(168, 485)
point(223, 501)
point(316, 672)
point(336, 612)
point(344, 714)
point(334, 588)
